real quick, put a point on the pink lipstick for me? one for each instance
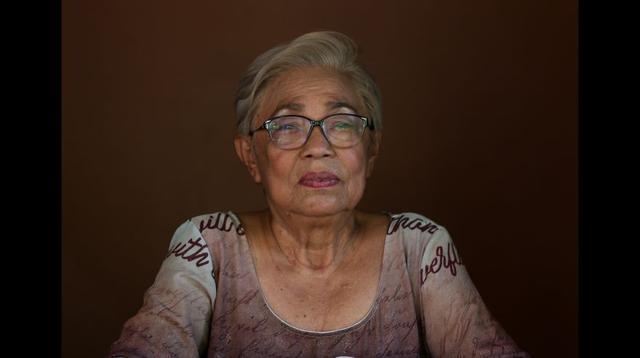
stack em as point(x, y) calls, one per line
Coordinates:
point(319, 180)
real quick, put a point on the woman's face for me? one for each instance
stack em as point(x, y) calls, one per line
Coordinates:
point(316, 179)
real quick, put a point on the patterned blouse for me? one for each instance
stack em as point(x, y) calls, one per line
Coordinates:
point(206, 301)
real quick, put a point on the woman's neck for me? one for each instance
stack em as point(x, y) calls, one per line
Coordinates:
point(313, 244)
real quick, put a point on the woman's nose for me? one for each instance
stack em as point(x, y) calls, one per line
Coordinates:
point(317, 145)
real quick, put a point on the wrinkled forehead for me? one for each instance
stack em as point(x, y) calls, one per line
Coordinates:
point(312, 91)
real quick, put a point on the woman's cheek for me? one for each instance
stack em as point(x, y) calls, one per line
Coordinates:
point(357, 180)
point(278, 175)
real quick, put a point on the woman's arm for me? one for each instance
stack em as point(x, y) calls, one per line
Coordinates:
point(457, 322)
point(175, 316)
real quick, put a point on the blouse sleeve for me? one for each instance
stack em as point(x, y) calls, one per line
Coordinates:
point(457, 322)
point(176, 311)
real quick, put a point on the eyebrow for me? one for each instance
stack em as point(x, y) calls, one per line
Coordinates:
point(295, 106)
point(336, 105)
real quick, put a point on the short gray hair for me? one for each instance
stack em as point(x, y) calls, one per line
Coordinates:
point(325, 48)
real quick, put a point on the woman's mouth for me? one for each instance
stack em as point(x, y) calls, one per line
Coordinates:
point(319, 180)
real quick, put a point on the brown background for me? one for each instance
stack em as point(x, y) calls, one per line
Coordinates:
point(480, 106)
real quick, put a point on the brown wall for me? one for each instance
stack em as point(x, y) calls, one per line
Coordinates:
point(480, 135)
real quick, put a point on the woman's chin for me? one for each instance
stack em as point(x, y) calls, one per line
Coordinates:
point(321, 206)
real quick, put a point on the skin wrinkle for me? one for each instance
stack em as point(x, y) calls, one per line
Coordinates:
point(293, 255)
point(319, 272)
point(327, 298)
point(269, 160)
point(292, 107)
point(310, 233)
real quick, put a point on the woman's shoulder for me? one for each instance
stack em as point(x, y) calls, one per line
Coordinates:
point(418, 234)
point(411, 221)
point(217, 221)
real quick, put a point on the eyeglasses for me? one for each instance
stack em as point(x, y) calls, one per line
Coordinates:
point(342, 130)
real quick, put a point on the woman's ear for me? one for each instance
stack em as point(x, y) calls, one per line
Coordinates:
point(244, 150)
point(373, 150)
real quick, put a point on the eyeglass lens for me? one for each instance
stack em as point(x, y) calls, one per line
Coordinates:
point(341, 130)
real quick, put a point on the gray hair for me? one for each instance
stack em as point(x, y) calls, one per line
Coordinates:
point(325, 48)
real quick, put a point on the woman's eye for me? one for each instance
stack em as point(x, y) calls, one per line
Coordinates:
point(290, 126)
point(286, 127)
point(343, 125)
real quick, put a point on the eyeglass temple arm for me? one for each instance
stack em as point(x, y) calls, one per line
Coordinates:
point(262, 127)
point(369, 122)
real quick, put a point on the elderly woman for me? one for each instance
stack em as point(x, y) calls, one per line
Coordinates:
point(311, 275)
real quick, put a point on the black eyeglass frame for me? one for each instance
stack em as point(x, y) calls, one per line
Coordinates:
point(366, 123)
